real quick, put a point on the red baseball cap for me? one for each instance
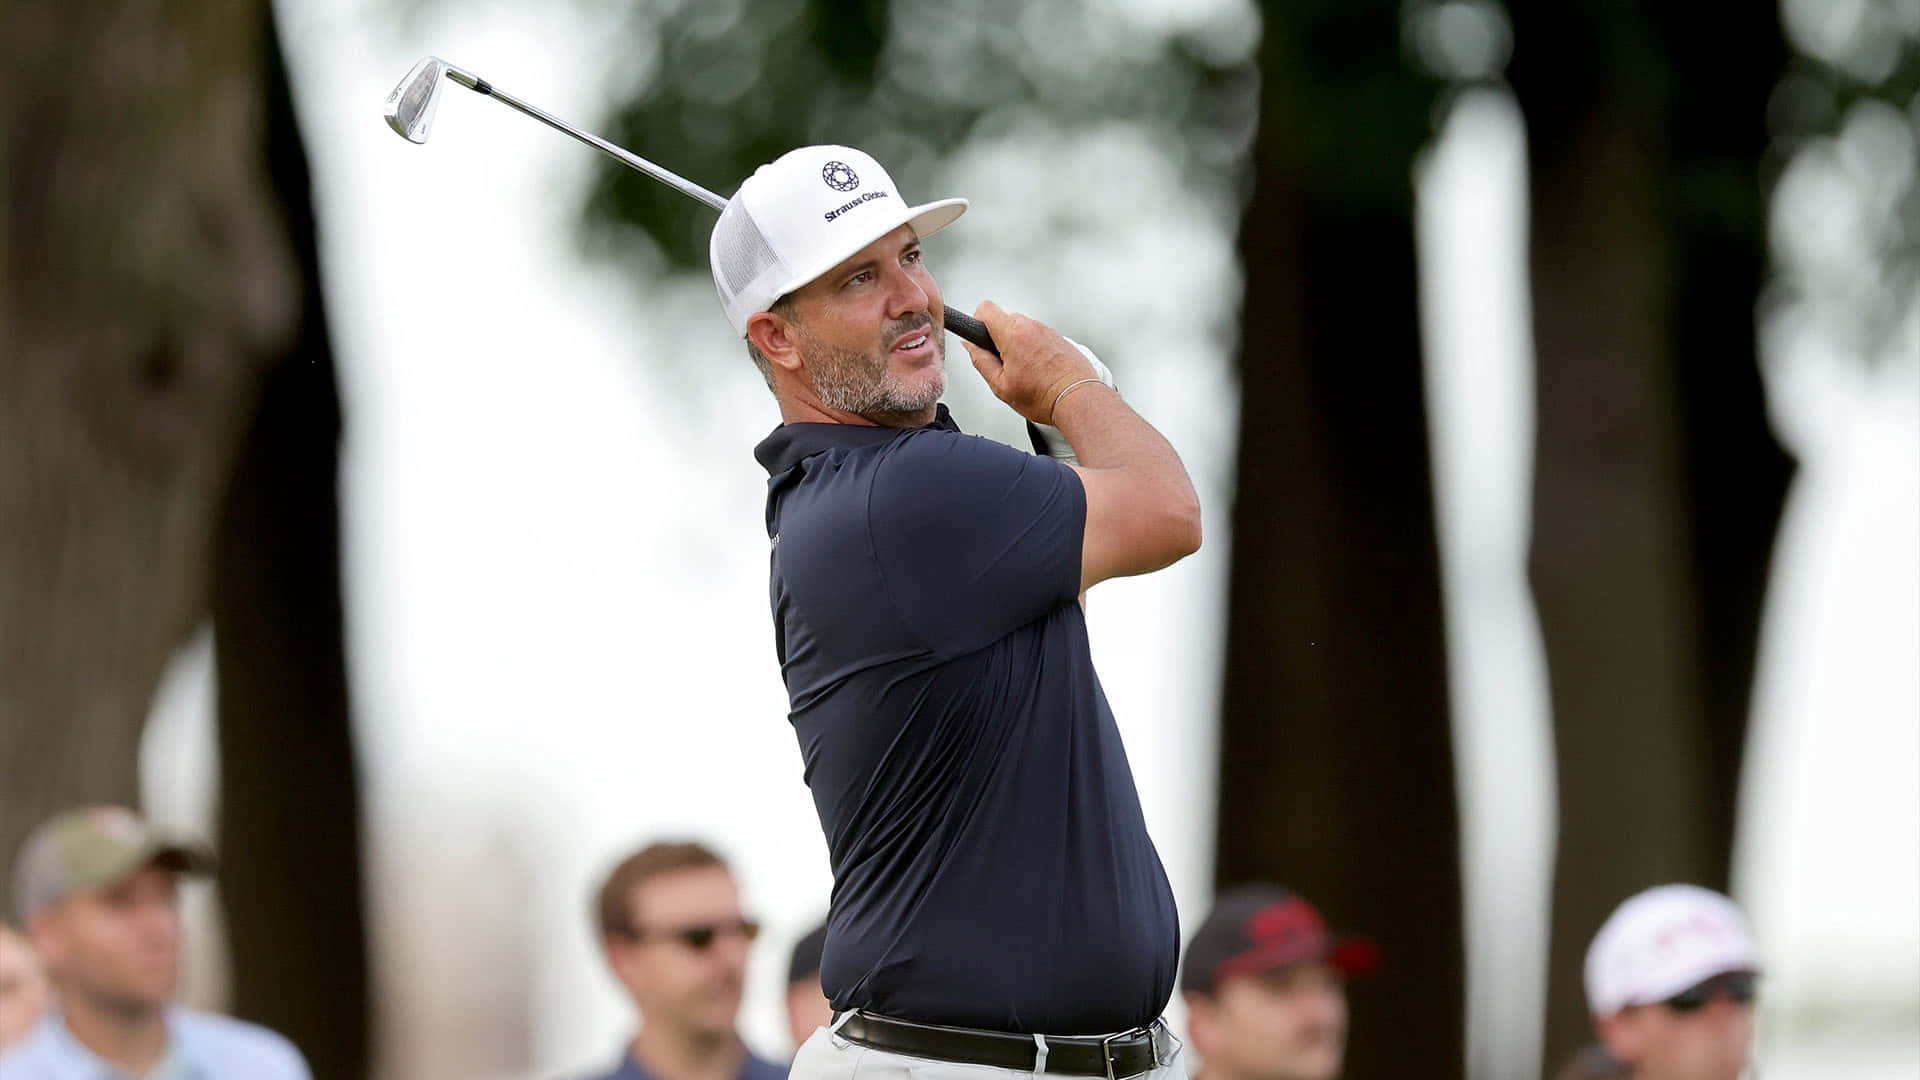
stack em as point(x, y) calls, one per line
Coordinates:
point(1257, 928)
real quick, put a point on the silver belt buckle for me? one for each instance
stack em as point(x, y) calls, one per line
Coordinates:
point(1106, 1051)
point(1106, 1046)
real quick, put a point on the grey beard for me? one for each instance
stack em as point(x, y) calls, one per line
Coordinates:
point(859, 382)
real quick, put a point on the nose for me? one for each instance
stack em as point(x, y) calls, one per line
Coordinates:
point(907, 295)
point(159, 923)
point(1330, 1005)
point(730, 953)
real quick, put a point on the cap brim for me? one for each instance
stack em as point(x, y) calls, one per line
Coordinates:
point(1355, 956)
point(176, 856)
point(1658, 990)
point(1351, 956)
point(926, 219)
point(190, 859)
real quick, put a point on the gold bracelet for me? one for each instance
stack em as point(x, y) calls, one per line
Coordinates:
point(1064, 391)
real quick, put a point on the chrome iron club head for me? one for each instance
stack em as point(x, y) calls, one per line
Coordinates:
point(410, 107)
point(409, 111)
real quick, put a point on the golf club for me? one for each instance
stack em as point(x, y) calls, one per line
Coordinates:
point(410, 108)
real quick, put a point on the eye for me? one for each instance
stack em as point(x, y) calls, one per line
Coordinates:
point(912, 256)
point(861, 278)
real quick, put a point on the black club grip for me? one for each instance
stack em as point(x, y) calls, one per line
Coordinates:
point(971, 329)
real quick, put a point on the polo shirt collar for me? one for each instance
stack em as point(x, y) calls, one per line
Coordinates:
point(790, 444)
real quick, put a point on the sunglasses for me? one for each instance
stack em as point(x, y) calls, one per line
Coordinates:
point(701, 937)
point(1739, 986)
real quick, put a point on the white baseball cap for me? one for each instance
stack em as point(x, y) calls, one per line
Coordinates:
point(1662, 941)
point(799, 215)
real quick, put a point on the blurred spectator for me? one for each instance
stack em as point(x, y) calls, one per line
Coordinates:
point(807, 1005)
point(98, 895)
point(23, 986)
point(674, 936)
point(1265, 986)
point(1671, 979)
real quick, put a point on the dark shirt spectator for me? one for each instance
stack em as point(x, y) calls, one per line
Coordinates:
point(675, 937)
point(1266, 988)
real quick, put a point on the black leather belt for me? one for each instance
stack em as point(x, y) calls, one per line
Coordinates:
point(1122, 1054)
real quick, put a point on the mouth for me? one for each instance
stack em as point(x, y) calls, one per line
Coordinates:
point(915, 344)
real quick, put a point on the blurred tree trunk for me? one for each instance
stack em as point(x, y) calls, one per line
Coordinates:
point(148, 291)
point(142, 271)
point(1336, 768)
point(1658, 485)
point(289, 799)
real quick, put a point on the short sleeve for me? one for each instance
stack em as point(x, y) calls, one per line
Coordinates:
point(974, 539)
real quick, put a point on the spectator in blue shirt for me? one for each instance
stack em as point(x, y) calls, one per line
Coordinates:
point(997, 902)
point(675, 937)
point(97, 891)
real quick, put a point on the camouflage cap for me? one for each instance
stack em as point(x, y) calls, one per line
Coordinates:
point(91, 847)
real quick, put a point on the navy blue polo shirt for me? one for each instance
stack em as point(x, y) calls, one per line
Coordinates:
point(991, 865)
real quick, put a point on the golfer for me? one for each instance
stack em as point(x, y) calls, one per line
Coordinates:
point(997, 902)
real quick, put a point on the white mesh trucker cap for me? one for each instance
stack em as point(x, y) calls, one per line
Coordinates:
point(799, 215)
point(1662, 941)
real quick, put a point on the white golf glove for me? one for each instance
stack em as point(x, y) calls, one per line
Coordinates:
point(1049, 440)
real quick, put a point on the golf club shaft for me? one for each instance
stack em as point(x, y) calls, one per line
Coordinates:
point(961, 323)
point(625, 157)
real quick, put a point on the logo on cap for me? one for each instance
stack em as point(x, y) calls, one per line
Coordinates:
point(839, 176)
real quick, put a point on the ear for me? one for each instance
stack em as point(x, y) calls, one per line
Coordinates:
point(773, 335)
point(1621, 1034)
point(619, 951)
point(1200, 1020)
point(43, 934)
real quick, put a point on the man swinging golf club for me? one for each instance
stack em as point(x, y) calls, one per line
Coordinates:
point(997, 902)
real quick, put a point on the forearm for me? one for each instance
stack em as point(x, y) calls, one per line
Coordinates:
point(1111, 439)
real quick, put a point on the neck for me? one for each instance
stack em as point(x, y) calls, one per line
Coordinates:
point(130, 1037)
point(680, 1055)
point(809, 410)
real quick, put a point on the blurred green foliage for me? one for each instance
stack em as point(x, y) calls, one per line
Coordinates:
point(726, 85)
point(1844, 169)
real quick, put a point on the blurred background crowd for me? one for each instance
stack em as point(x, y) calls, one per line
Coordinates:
point(1550, 372)
point(1670, 980)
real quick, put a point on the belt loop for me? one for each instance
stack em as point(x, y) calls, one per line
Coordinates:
point(1039, 1054)
point(833, 1032)
point(1166, 1045)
